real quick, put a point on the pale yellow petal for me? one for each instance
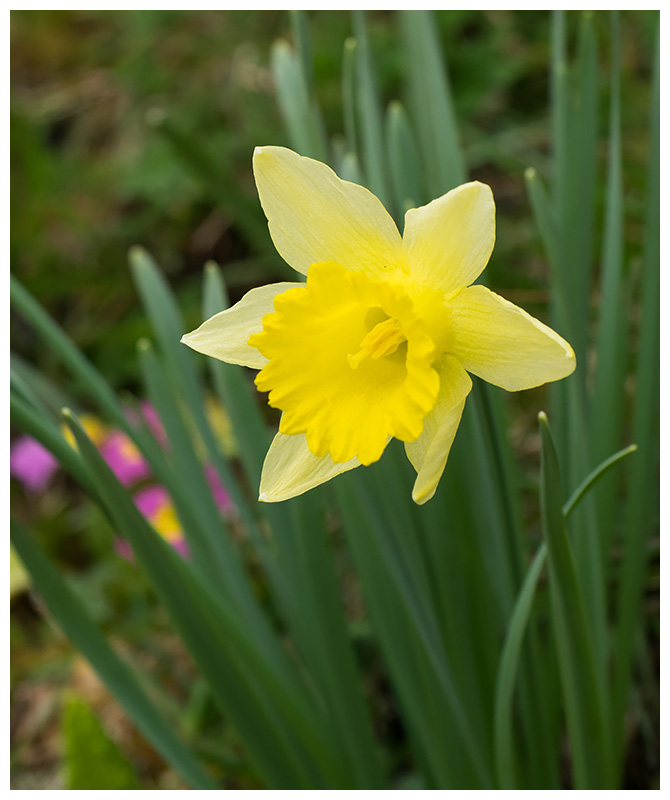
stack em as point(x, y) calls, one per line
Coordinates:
point(315, 216)
point(448, 242)
point(290, 469)
point(225, 335)
point(428, 454)
point(502, 344)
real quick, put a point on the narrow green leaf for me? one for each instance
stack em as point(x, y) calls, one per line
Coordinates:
point(180, 364)
point(307, 583)
point(573, 134)
point(298, 111)
point(58, 342)
point(496, 522)
point(300, 27)
point(432, 105)
point(557, 224)
point(574, 120)
point(238, 397)
point(411, 598)
point(574, 116)
point(608, 393)
point(583, 686)
point(319, 629)
point(643, 497)
point(373, 150)
point(437, 746)
point(240, 401)
point(350, 169)
point(403, 158)
point(548, 226)
point(507, 671)
point(509, 659)
point(560, 122)
point(24, 391)
point(95, 386)
point(71, 616)
point(562, 177)
point(501, 467)
point(458, 577)
point(281, 729)
point(35, 424)
point(84, 373)
point(584, 166)
point(209, 542)
point(349, 57)
point(42, 392)
point(589, 482)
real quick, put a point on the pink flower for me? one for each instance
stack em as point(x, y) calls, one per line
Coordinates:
point(153, 421)
point(156, 505)
point(124, 459)
point(150, 417)
point(151, 500)
point(219, 492)
point(181, 546)
point(31, 463)
point(124, 549)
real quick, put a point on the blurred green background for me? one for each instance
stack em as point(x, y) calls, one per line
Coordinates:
point(137, 127)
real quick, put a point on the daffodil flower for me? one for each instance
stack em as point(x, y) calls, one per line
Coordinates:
point(379, 340)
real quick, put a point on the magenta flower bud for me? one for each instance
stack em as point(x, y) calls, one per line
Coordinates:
point(31, 464)
point(124, 459)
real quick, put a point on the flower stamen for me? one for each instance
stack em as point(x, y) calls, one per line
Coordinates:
point(383, 340)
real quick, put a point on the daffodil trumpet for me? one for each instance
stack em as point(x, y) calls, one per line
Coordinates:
point(379, 340)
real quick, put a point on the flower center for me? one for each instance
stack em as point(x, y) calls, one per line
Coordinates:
point(383, 340)
point(349, 364)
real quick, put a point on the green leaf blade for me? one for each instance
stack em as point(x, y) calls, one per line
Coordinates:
point(115, 673)
point(583, 686)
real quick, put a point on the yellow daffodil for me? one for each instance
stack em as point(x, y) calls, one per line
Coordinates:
point(379, 341)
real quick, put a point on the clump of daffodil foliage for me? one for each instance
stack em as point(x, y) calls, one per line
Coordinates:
point(378, 342)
